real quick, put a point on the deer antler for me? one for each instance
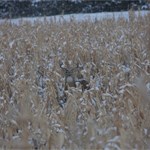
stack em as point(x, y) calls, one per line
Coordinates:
point(63, 68)
point(80, 67)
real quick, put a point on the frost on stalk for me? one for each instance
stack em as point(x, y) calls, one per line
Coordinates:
point(2, 58)
point(11, 44)
point(148, 86)
point(61, 95)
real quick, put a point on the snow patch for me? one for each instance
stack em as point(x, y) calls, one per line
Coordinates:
point(79, 17)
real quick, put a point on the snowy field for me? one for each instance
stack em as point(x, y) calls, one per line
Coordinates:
point(79, 17)
point(75, 83)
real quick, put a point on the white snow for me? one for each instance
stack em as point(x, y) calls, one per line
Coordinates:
point(125, 69)
point(115, 139)
point(148, 86)
point(79, 17)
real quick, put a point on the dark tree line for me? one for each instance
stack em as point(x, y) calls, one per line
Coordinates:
point(30, 8)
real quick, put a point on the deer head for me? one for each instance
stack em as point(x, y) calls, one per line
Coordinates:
point(69, 76)
point(73, 75)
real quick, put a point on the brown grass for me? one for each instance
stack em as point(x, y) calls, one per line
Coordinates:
point(114, 113)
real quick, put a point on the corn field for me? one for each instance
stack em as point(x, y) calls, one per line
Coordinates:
point(113, 113)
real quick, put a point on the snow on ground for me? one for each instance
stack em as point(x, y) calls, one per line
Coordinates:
point(79, 17)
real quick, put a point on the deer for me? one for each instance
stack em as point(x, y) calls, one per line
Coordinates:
point(72, 76)
point(71, 79)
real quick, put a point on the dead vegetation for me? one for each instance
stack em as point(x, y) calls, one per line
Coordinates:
point(114, 113)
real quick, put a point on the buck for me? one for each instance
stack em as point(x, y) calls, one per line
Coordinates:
point(73, 75)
